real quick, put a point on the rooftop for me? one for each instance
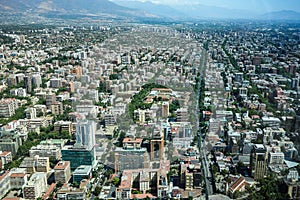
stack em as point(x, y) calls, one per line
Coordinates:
point(61, 165)
point(83, 169)
point(131, 140)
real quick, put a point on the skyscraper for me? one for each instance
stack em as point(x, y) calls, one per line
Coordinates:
point(28, 83)
point(85, 133)
point(258, 161)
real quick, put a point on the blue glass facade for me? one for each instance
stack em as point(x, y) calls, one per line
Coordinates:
point(78, 156)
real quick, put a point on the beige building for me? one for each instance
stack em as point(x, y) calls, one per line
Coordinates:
point(63, 126)
point(62, 172)
point(57, 108)
point(36, 164)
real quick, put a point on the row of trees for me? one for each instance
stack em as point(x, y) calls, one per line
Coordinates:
point(137, 101)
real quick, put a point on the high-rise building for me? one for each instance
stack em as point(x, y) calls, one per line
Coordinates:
point(182, 115)
point(55, 82)
point(36, 80)
point(4, 182)
point(85, 133)
point(57, 108)
point(28, 83)
point(165, 109)
point(157, 146)
point(8, 107)
point(30, 113)
point(131, 156)
point(258, 161)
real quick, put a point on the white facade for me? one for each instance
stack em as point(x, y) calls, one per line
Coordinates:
point(85, 133)
point(35, 186)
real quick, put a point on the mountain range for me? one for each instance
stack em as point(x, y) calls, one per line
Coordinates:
point(132, 10)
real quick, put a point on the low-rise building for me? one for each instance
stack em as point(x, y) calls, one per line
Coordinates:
point(10, 141)
point(45, 151)
point(36, 164)
point(36, 185)
point(62, 172)
point(82, 172)
point(61, 126)
point(66, 193)
point(18, 178)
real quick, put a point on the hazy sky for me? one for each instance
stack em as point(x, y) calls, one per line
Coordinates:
point(253, 5)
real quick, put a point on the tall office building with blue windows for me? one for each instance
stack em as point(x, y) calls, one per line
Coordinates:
point(83, 151)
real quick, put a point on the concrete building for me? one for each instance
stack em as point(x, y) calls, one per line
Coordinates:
point(293, 184)
point(62, 172)
point(144, 180)
point(55, 82)
point(30, 113)
point(66, 126)
point(4, 183)
point(18, 178)
point(142, 116)
point(165, 109)
point(8, 107)
point(50, 99)
point(276, 158)
point(36, 185)
point(20, 92)
point(10, 141)
point(59, 143)
point(28, 83)
point(45, 151)
point(66, 193)
point(271, 122)
point(87, 110)
point(131, 156)
point(157, 147)
point(110, 119)
point(36, 164)
point(182, 115)
point(5, 157)
point(57, 108)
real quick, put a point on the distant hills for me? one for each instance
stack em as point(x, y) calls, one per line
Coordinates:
point(159, 10)
point(281, 15)
point(132, 10)
point(65, 8)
